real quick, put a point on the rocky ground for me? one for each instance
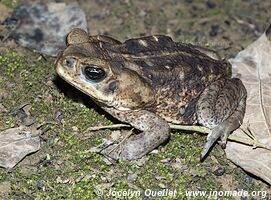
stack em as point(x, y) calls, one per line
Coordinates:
point(64, 167)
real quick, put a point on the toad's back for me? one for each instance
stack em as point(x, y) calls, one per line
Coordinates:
point(177, 72)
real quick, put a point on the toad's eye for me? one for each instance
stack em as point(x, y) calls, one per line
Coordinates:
point(69, 62)
point(93, 73)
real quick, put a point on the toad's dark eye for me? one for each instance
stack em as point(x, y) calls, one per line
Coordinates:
point(93, 73)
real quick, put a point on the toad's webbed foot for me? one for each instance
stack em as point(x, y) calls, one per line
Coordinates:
point(221, 108)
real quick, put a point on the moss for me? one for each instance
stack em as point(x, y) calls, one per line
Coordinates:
point(10, 3)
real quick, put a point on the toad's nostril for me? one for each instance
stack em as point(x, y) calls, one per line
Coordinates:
point(69, 62)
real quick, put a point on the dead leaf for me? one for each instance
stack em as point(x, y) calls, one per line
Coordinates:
point(253, 67)
point(15, 144)
point(23, 113)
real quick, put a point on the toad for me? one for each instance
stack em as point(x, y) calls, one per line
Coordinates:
point(151, 81)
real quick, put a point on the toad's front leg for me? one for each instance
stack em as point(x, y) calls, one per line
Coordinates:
point(154, 129)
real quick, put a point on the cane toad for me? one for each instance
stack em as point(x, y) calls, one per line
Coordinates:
point(151, 81)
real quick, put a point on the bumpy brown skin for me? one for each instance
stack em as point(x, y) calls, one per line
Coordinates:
point(151, 81)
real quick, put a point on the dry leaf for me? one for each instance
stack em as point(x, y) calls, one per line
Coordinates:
point(15, 144)
point(253, 67)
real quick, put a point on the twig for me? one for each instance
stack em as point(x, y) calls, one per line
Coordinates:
point(251, 141)
point(121, 142)
point(114, 126)
point(254, 143)
point(97, 128)
point(199, 129)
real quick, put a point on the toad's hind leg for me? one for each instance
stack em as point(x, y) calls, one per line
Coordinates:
point(221, 108)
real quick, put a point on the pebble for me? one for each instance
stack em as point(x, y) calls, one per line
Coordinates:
point(219, 171)
point(40, 185)
point(214, 30)
point(249, 180)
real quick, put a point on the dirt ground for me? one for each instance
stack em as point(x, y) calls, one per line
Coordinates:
point(64, 168)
